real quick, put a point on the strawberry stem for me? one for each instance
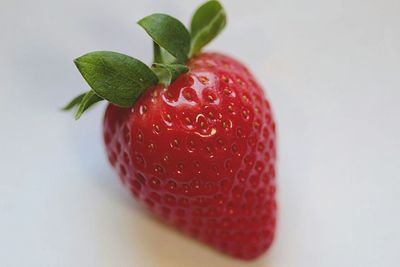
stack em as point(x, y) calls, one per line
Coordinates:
point(121, 79)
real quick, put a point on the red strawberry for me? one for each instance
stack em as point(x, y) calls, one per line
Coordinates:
point(200, 152)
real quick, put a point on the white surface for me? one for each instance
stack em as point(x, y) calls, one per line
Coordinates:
point(331, 70)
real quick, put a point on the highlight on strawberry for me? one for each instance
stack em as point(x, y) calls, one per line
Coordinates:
point(192, 136)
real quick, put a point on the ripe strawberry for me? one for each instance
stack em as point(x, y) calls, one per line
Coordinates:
point(199, 152)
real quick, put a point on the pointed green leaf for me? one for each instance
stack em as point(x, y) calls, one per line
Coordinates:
point(157, 53)
point(92, 100)
point(118, 78)
point(167, 73)
point(89, 99)
point(169, 33)
point(161, 55)
point(74, 102)
point(207, 22)
point(167, 58)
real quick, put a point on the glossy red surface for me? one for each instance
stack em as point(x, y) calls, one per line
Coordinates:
point(201, 155)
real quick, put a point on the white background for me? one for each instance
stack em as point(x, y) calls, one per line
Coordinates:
point(331, 70)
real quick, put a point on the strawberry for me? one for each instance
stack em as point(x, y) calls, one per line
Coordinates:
point(193, 138)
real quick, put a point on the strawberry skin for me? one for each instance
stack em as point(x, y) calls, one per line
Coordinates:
point(200, 154)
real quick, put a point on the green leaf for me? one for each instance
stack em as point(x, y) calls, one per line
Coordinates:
point(167, 73)
point(118, 78)
point(167, 58)
point(207, 22)
point(88, 100)
point(157, 53)
point(161, 55)
point(74, 102)
point(169, 33)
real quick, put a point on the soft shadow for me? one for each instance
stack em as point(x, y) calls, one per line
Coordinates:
point(168, 248)
point(153, 240)
point(161, 244)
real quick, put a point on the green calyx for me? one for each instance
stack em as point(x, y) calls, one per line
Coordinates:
point(121, 79)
